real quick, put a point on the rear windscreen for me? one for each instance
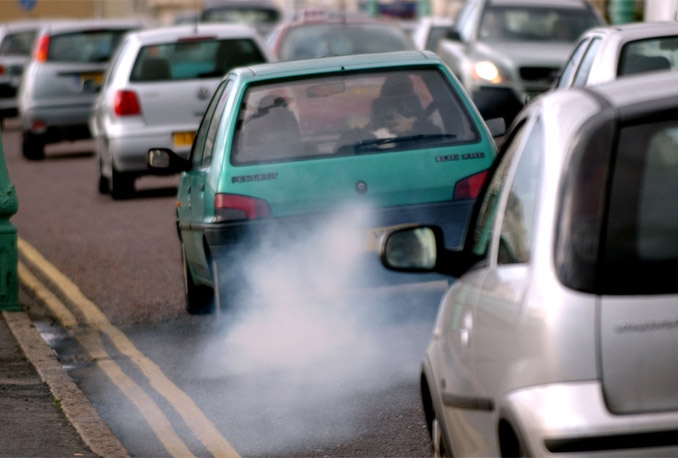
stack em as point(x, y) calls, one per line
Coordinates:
point(241, 15)
point(346, 114)
point(17, 44)
point(84, 46)
point(641, 241)
point(194, 59)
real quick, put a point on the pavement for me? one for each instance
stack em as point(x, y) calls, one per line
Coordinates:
point(43, 413)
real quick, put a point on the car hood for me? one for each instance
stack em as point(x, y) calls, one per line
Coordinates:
point(521, 54)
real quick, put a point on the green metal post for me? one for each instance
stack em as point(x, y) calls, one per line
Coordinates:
point(621, 11)
point(423, 8)
point(9, 283)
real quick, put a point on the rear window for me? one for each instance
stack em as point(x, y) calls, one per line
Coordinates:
point(193, 59)
point(648, 55)
point(85, 46)
point(346, 114)
point(241, 15)
point(321, 40)
point(17, 44)
point(641, 249)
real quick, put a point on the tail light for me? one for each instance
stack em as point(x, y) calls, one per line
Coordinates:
point(469, 187)
point(126, 103)
point(230, 207)
point(2, 69)
point(41, 49)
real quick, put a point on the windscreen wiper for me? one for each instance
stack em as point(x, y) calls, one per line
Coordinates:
point(390, 142)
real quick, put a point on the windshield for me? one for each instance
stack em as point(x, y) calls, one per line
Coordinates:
point(193, 59)
point(17, 44)
point(321, 40)
point(348, 114)
point(534, 24)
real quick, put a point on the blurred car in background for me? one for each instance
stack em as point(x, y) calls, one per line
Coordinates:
point(430, 30)
point(186, 17)
point(558, 336)
point(60, 82)
point(505, 51)
point(260, 14)
point(604, 54)
point(321, 33)
point(156, 93)
point(284, 146)
point(16, 44)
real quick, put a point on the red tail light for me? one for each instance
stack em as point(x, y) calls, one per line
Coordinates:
point(2, 69)
point(228, 207)
point(469, 187)
point(126, 103)
point(41, 49)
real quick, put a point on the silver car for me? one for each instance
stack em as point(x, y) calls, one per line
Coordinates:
point(156, 92)
point(559, 335)
point(16, 43)
point(505, 51)
point(605, 53)
point(60, 82)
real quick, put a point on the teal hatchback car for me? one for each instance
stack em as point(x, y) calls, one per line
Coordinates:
point(285, 147)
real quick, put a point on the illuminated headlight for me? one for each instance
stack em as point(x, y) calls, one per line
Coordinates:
point(488, 71)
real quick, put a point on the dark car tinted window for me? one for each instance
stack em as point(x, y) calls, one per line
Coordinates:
point(648, 55)
point(641, 250)
point(193, 59)
point(241, 15)
point(321, 40)
point(87, 46)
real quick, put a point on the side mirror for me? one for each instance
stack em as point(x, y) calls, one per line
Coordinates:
point(167, 160)
point(411, 249)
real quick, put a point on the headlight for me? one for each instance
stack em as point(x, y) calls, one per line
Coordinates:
point(488, 71)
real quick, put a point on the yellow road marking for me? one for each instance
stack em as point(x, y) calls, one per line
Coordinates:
point(193, 417)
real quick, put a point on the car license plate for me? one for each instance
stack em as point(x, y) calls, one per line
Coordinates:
point(96, 77)
point(183, 138)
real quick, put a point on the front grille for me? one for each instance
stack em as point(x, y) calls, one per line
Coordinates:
point(539, 74)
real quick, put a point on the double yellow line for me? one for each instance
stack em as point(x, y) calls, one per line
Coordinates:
point(89, 334)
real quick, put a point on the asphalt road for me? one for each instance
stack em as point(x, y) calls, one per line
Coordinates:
point(325, 375)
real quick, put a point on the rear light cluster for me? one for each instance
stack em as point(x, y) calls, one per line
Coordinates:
point(469, 187)
point(41, 49)
point(126, 103)
point(2, 69)
point(232, 207)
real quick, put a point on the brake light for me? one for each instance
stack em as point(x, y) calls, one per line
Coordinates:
point(469, 187)
point(2, 69)
point(195, 38)
point(125, 103)
point(229, 207)
point(41, 49)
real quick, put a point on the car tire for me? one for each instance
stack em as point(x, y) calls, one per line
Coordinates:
point(122, 185)
point(104, 184)
point(199, 298)
point(33, 147)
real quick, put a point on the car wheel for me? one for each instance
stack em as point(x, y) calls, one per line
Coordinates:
point(33, 147)
point(104, 184)
point(122, 185)
point(199, 298)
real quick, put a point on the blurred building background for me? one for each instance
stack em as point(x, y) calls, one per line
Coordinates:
point(164, 11)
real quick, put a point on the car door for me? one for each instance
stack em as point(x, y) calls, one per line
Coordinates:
point(466, 399)
point(191, 205)
point(501, 283)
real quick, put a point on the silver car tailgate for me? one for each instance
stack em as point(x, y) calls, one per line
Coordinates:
point(639, 353)
point(175, 102)
point(58, 82)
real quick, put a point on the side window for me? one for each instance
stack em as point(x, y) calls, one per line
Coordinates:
point(586, 64)
point(571, 65)
point(515, 238)
point(486, 216)
point(208, 150)
point(198, 149)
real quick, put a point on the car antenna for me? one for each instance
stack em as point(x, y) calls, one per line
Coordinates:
point(197, 17)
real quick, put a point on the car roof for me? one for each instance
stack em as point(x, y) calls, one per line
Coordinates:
point(90, 24)
point(636, 30)
point(217, 4)
point(383, 61)
point(312, 16)
point(544, 3)
point(172, 33)
point(656, 89)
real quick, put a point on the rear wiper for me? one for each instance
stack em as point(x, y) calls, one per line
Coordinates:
point(393, 141)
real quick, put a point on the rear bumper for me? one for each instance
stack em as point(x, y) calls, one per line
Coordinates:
point(128, 152)
point(572, 419)
point(56, 117)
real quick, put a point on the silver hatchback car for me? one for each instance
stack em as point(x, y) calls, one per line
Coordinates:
point(59, 84)
point(559, 335)
point(156, 92)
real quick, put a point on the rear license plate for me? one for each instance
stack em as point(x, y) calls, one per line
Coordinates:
point(183, 138)
point(96, 77)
